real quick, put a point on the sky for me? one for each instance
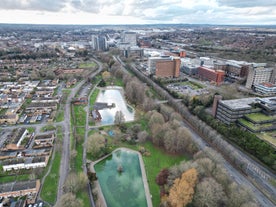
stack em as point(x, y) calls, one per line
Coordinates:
point(93, 12)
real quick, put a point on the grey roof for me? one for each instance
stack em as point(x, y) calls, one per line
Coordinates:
point(237, 104)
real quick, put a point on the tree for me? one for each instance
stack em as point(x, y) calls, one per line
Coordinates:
point(106, 75)
point(75, 182)
point(182, 191)
point(238, 196)
point(69, 200)
point(71, 183)
point(119, 118)
point(166, 111)
point(161, 178)
point(142, 136)
point(95, 145)
point(155, 118)
point(209, 193)
point(170, 140)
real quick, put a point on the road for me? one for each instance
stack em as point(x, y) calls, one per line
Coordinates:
point(85, 139)
point(261, 198)
point(65, 160)
point(236, 175)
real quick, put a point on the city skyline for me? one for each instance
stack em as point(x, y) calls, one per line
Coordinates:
point(93, 12)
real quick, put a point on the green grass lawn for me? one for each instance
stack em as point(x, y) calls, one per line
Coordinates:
point(80, 115)
point(60, 116)
point(77, 163)
point(87, 65)
point(154, 163)
point(48, 128)
point(193, 85)
point(94, 96)
point(259, 117)
point(50, 185)
point(255, 127)
point(12, 178)
point(31, 130)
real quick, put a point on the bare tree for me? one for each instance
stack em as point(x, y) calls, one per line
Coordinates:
point(69, 200)
point(95, 144)
point(143, 136)
point(209, 193)
point(119, 118)
point(166, 111)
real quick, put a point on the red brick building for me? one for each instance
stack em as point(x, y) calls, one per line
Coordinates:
point(168, 68)
point(216, 76)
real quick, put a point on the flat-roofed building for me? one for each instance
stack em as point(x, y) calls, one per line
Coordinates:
point(212, 75)
point(268, 105)
point(258, 73)
point(168, 68)
point(153, 60)
point(129, 37)
point(228, 111)
point(19, 188)
point(265, 88)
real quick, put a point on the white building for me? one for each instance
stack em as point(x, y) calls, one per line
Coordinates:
point(258, 74)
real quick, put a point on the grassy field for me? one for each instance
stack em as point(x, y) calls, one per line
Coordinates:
point(193, 85)
point(80, 115)
point(87, 65)
point(60, 116)
point(259, 117)
point(50, 185)
point(253, 126)
point(93, 96)
point(154, 163)
point(77, 165)
point(12, 178)
point(48, 128)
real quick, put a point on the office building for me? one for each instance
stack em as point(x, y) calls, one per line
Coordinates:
point(99, 43)
point(130, 38)
point(216, 76)
point(258, 73)
point(267, 89)
point(229, 111)
point(168, 68)
point(153, 60)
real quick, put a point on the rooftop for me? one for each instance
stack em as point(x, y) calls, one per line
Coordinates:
point(235, 104)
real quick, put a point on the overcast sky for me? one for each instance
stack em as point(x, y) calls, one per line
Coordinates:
point(260, 12)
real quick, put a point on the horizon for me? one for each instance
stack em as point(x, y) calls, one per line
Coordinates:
point(142, 12)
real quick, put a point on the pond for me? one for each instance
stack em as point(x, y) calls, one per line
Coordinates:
point(114, 95)
point(120, 178)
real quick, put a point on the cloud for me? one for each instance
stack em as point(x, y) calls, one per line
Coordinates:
point(40, 5)
point(247, 3)
point(149, 11)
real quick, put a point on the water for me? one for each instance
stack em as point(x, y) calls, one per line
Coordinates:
point(121, 189)
point(114, 96)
